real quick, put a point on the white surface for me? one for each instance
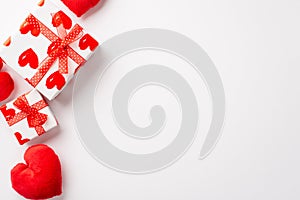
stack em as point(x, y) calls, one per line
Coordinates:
point(255, 45)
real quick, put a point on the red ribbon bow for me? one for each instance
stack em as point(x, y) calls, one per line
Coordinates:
point(60, 49)
point(34, 117)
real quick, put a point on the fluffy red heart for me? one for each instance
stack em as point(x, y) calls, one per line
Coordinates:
point(6, 85)
point(1, 63)
point(40, 177)
point(79, 7)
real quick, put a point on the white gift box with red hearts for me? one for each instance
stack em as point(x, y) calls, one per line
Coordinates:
point(28, 116)
point(48, 49)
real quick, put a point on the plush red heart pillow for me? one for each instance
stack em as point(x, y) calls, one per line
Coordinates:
point(6, 85)
point(40, 177)
point(1, 63)
point(79, 7)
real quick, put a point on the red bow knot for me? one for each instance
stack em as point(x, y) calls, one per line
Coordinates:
point(57, 48)
point(34, 117)
point(60, 48)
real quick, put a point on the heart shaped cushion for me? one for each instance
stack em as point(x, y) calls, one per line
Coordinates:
point(79, 7)
point(40, 177)
point(1, 63)
point(6, 85)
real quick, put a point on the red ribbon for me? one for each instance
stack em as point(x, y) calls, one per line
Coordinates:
point(35, 119)
point(58, 49)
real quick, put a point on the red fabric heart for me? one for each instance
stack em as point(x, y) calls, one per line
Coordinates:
point(1, 63)
point(40, 177)
point(80, 7)
point(6, 85)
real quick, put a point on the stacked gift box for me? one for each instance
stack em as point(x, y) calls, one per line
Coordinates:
point(47, 51)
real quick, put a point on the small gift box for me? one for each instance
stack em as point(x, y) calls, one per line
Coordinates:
point(29, 116)
point(48, 49)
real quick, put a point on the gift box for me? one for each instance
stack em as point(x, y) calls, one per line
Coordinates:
point(48, 49)
point(29, 116)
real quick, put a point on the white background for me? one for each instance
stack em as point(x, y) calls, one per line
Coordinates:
point(255, 45)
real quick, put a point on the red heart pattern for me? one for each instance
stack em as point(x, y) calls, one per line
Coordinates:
point(6, 85)
point(55, 79)
point(7, 42)
point(88, 41)
point(8, 113)
point(60, 18)
point(20, 138)
point(41, 3)
point(29, 57)
point(40, 177)
point(32, 26)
